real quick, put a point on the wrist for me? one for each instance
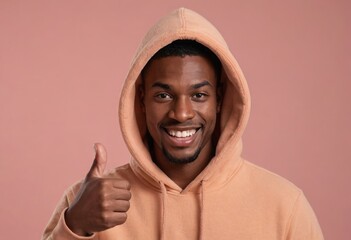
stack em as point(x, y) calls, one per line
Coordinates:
point(71, 224)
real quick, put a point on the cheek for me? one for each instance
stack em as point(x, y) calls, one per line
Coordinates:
point(208, 111)
point(209, 114)
point(154, 115)
point(151, 118)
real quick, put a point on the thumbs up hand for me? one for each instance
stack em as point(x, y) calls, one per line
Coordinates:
point(101, 203)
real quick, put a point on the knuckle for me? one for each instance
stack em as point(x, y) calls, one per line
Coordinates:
point(103, 205)
point(105, 219)
point(104, 184)
point(101, 195)
point(126, 185)
point(104, 192)
point(99, 187)
point(122, 183)
point(105, 195)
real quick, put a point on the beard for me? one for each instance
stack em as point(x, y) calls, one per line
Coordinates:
point(170, 157)
point(184, 160)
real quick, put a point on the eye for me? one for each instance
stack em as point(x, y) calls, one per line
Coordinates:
point(163, 96)
point(200, 96)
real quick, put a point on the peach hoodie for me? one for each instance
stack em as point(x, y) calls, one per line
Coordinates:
point(230, 199)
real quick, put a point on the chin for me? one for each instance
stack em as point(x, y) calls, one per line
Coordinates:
point(185, 159)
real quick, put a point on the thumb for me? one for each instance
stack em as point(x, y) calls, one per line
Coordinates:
point(98, 167)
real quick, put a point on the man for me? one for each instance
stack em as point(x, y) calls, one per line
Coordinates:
point(183, 110)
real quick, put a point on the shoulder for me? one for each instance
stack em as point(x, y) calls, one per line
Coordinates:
point(267, 183)
point(281, 200)
point(274, 194)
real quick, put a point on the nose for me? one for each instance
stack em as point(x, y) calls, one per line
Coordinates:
point(182, 109)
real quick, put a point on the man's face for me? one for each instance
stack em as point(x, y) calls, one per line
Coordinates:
point(180, 104)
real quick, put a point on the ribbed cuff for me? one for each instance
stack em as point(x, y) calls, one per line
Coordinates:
point(62, 231)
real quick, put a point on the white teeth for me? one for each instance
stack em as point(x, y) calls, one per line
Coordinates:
point(181, 134)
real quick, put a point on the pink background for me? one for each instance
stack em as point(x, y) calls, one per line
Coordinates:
point(62, 64)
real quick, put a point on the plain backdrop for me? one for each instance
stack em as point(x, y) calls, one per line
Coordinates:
point(63, 62)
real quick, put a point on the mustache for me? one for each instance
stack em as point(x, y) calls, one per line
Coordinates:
point(172, 122)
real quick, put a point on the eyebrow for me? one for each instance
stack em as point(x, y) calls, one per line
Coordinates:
point(161, 85)
point(195, 86)
point(201, 84)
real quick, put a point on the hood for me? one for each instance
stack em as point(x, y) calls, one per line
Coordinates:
point(186, 24)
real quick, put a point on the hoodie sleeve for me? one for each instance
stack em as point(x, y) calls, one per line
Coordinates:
point(303, 223)
point(57, 229)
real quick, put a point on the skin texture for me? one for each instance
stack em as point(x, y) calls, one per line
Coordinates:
point(181, 94)
point(101, 203)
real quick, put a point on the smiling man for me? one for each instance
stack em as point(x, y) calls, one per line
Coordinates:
point(183, 110)
point(180, 98)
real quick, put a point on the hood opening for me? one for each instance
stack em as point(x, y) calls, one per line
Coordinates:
point(231, 122)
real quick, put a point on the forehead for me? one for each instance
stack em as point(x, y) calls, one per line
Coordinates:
point(177, 69)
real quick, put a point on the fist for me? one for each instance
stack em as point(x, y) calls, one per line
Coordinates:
point(101, 203)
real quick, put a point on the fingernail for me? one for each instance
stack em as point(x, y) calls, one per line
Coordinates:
point(95, 148)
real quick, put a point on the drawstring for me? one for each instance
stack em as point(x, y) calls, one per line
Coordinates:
point(163, 212)
point(164, 207)
point(202, 210)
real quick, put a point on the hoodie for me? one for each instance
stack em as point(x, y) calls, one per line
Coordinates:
point(231, 198)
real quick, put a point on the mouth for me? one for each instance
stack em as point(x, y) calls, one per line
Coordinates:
point(181, 138)
point(181, 133)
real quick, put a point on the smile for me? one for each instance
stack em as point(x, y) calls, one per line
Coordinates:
point(181, 134)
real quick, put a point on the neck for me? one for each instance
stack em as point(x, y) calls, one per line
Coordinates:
point(183, 173)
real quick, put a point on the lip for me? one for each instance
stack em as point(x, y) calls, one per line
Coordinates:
point(180, 142)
